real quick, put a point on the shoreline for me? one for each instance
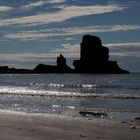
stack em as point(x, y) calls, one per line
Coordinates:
point(34, 126)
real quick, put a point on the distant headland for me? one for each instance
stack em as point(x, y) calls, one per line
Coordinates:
point(94, 59)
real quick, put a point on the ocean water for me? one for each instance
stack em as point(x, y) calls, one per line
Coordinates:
point(117, 95)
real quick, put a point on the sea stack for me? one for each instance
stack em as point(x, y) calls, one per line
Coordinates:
point(94, 58)
point(61, 67)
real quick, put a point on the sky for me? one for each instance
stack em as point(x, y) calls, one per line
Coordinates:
point(37, 31)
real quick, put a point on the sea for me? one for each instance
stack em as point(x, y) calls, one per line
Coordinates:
point(107, 96)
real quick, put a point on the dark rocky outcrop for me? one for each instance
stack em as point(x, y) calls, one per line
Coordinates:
point(95, 58)
point(6, 69)
point(137, 118)
point(42, 68)
point(93, 114)
point(61, 67)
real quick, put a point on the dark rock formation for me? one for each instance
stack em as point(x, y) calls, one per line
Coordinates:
point(93, 114)
point(20, 71)
point(61, 67)
point(137, 118)
point(42, 68)
point(6, 69)
point(94, 58)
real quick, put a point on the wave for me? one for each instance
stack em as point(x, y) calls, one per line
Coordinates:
point(25, 91)
point(133, 87)
point(55, 85)
point(85, 86)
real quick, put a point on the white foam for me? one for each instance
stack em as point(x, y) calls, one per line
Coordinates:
point(27, 91)
point(23, 91)
point(88, 86)
point(55, 85)
point(56, 106)
point(71, 85)
point(71, 107)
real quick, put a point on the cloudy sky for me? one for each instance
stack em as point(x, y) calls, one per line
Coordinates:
point(36, 31)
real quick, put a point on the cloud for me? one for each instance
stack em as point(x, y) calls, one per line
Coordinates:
point(104, 28)
point(27, 60)
point(124, 49)
point(5, 8)
point(27, 57)
point(126, 45)
point(68, 50)
point(69, 38)
point(126, 54)
point(66, 13)
point(40, 3)
point(56, 1)
point(34, 4)
point(47, 33)
point(25, 35)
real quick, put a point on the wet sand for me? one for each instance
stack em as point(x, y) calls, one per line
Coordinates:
point(24, 126)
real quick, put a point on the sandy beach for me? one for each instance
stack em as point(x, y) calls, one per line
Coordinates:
point(23, 126)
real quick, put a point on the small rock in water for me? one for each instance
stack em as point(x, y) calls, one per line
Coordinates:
point(94, 114)
point(133, 127)
point(82, 136)
point(124, 122)
point(137, 118)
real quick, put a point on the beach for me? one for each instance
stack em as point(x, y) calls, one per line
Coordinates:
point(31, 126)
point(69, 107)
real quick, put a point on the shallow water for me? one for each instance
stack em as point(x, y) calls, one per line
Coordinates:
point(67, 94)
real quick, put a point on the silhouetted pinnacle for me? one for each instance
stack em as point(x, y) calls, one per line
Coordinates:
point(94, 58)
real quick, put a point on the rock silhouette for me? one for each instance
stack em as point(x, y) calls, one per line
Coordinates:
point(6, 69)
point(61, 67)
point(93, 114)
point(94, 58)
